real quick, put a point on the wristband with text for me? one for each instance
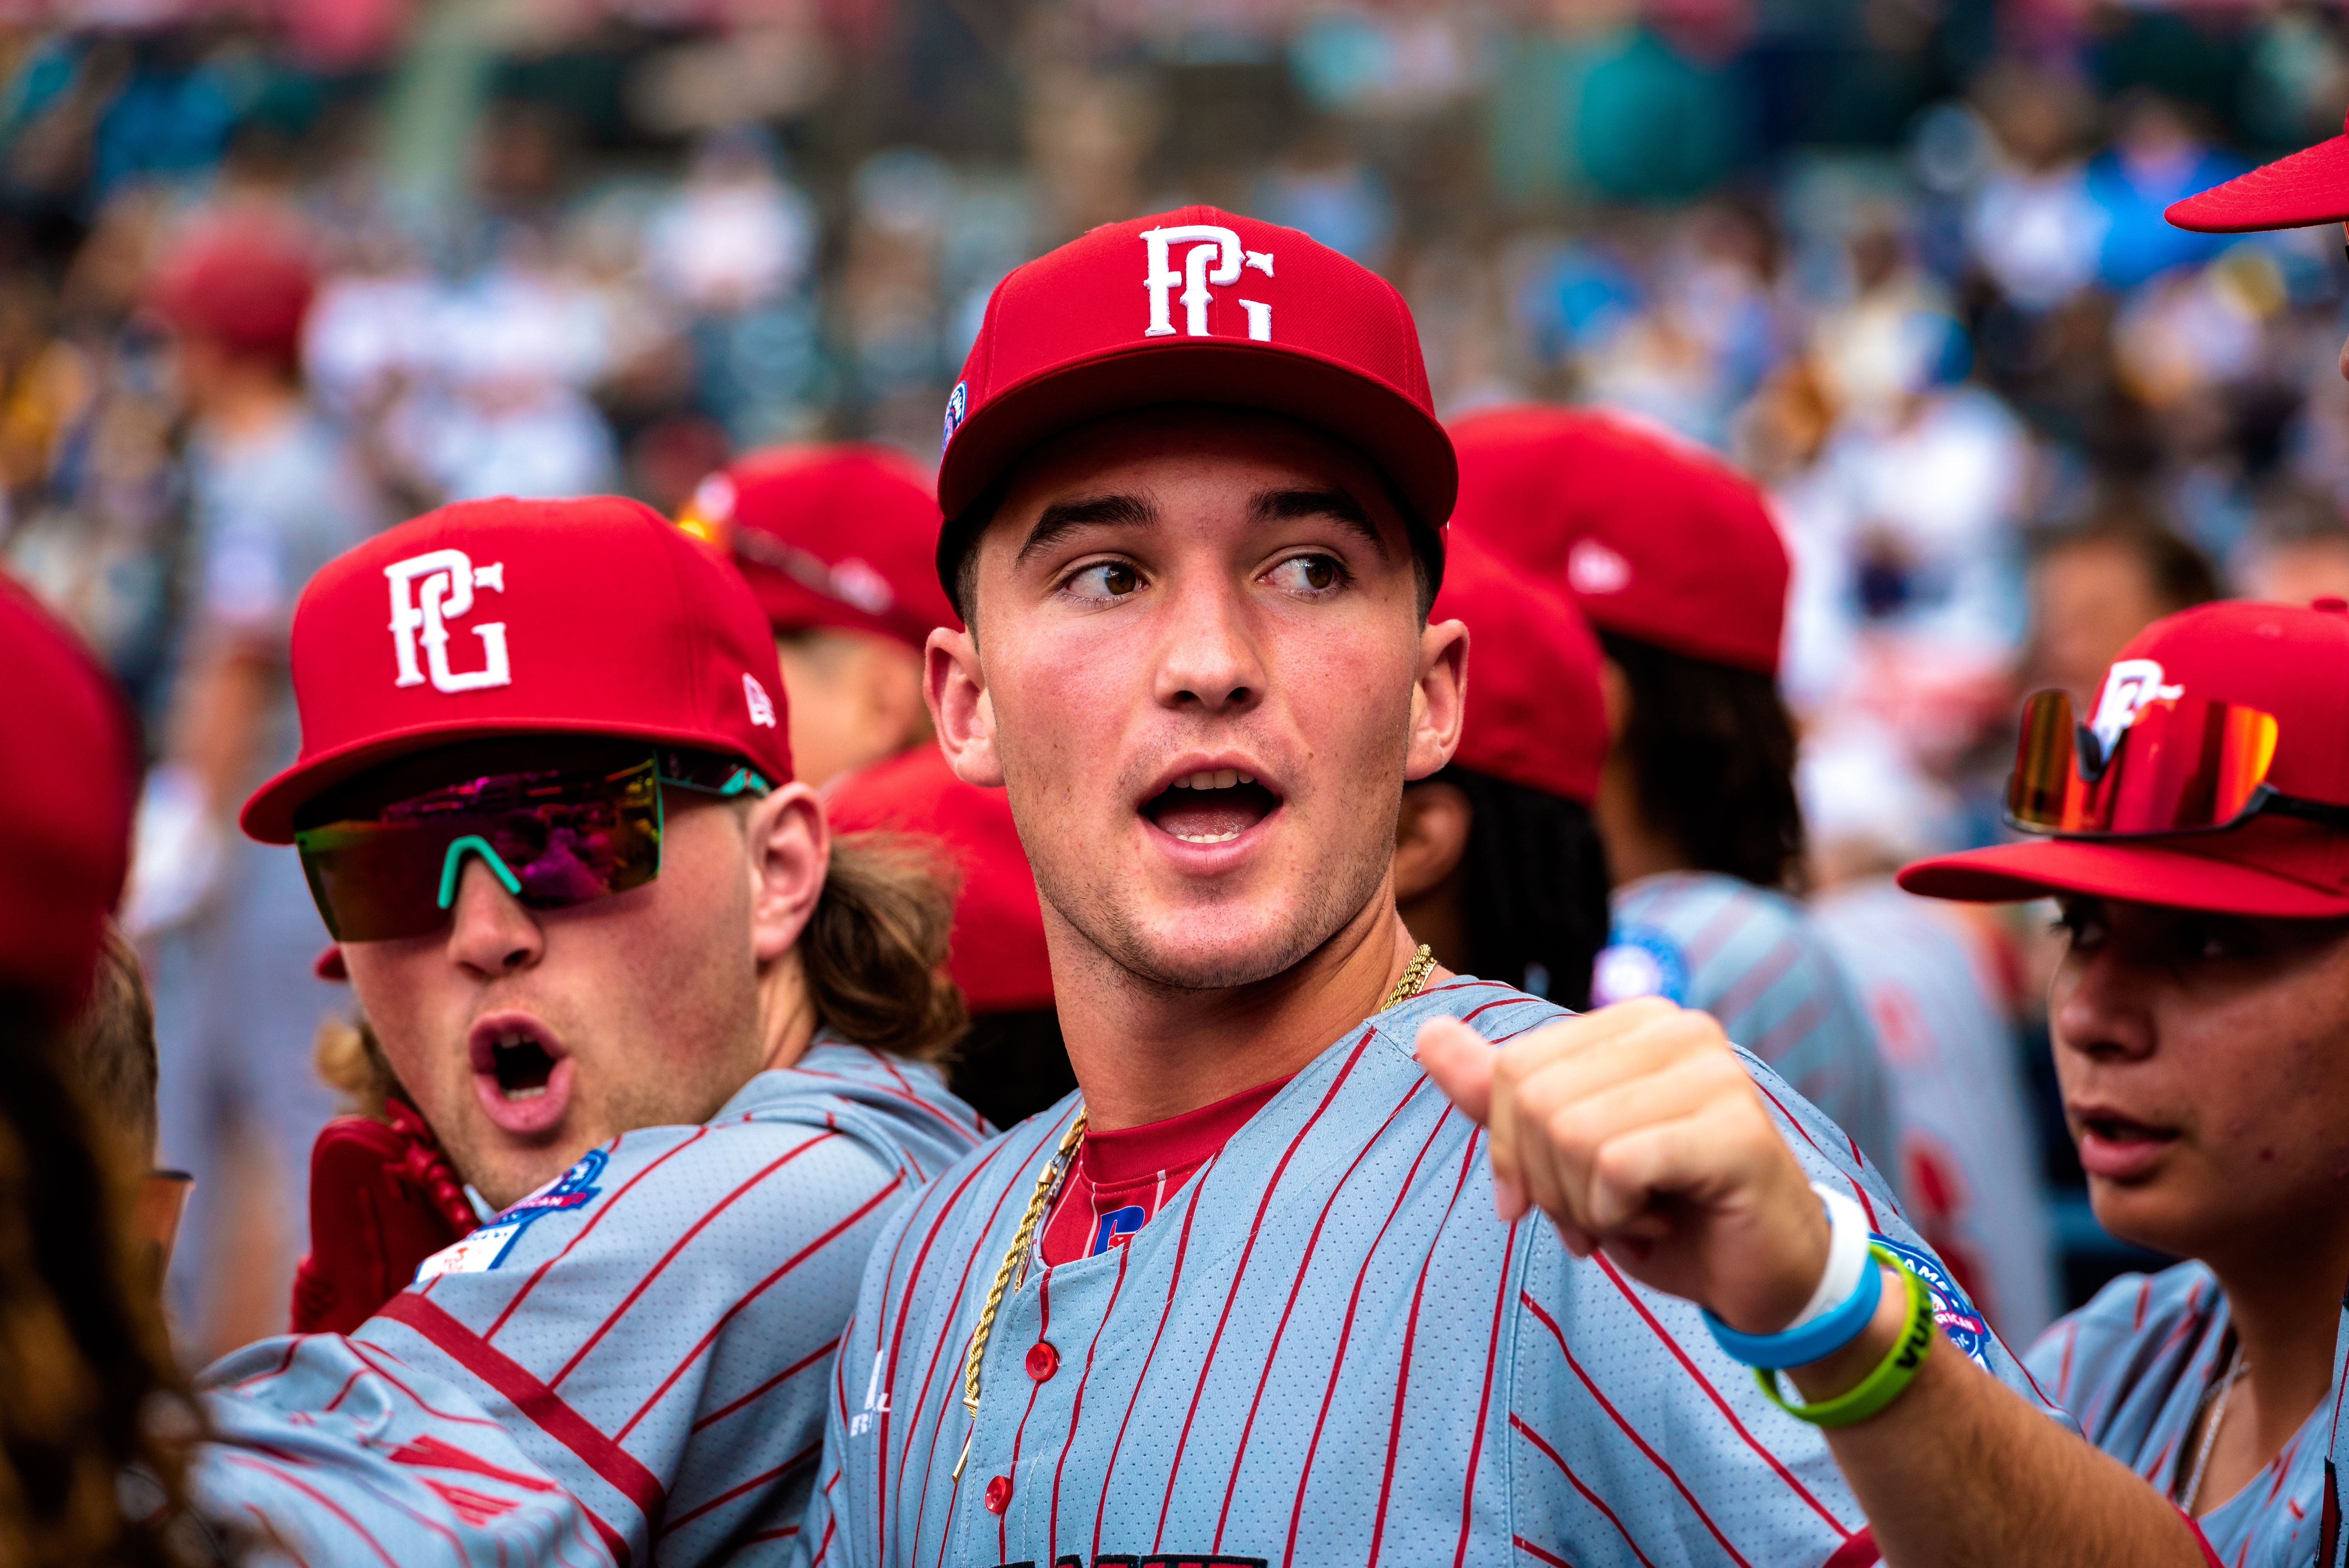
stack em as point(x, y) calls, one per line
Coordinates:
point(1892, 1375)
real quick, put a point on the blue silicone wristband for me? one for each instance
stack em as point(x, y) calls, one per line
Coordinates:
point(1822, 1335)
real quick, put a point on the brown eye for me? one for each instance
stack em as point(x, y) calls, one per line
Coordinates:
point(1319, 572)
point(1120, 580)
point(1309, 573)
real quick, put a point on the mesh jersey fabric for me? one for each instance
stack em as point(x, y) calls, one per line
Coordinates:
point(630, 1364)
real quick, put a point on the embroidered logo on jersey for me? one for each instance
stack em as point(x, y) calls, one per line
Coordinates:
point(958, 405)
point(427, 592)
point(2131, 686)
point(1213, 261)
point(486, 1248)
point(876, 1400)
point(1116, 1227)
point(1956, 1315)
point(1638, 963)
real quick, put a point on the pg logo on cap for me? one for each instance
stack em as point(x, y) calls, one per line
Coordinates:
point(2131, 686)
point(426, 591)
point(1214, 258)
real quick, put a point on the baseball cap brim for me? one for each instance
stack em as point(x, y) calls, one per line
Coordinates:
point(268, 815)
point(2140, 871)
point(2307, 188)
point(1402, 440)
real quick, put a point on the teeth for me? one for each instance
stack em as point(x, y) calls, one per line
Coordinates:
point(527, 1093)
point(1214, 779)
point(1207, 838)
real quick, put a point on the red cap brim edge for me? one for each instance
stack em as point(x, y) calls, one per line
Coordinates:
point(2301, 191)
point(2139, 872)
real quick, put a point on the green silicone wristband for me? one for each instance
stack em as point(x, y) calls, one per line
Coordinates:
point(1892, 1375)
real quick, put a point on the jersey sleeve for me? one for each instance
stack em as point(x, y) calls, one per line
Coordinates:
point(652, 1335)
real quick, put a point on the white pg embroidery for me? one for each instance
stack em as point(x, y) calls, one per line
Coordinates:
point(427, 591)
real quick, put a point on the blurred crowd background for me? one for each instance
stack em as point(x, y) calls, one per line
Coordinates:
point(1903, 260)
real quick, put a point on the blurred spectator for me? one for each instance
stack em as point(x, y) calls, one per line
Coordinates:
point(2298, 552)
point(2094, 587)
point(2156, 158)
point(274, 495)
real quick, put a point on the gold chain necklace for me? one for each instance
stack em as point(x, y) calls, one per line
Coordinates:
point(1040, 1202)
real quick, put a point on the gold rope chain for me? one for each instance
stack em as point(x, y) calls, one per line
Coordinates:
point(1015, 1260)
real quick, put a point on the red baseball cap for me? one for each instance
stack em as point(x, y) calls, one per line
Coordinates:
point(2276, 659)
point(1535, 714)
point(514, 617)
point(998, 954)
point(2306, 188)
point(1196, 305)
point(1656, 538)
point(829, 536)
point(247, 284)
point(65, 802)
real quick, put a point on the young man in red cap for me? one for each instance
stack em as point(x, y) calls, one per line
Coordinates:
point(2198, 844)
point(1196, 489)
point(1678, 564)
point(1498, 867)
point(663, 1025)
point(836, 541)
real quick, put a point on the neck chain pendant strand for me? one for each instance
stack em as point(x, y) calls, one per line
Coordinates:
point(2217, 1399)
point(1039, 1204)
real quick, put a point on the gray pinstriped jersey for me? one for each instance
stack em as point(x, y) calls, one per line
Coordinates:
point(1326, 1349)
point(629, 1364)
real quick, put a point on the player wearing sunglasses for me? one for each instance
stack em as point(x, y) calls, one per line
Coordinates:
point(668, 1029)
point(2195, 836)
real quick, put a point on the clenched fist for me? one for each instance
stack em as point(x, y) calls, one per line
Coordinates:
point(1636, 1130)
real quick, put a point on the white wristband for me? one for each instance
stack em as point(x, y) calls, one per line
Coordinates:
point(1847, 1255)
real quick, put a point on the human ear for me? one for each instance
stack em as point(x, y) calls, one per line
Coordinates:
point(1431, 836)
point(790, 848)
point(1439, 699)
point(954, 684)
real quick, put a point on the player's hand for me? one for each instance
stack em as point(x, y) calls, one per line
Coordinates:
point(1636, 1130)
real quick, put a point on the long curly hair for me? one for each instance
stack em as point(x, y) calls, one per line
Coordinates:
point(88, 1396)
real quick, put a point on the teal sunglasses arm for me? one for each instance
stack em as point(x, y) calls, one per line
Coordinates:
point(453, 863)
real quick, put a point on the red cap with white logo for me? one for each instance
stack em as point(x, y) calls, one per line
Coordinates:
point(513, 617)
point(1535, 714)
point(832, 536)
point(2275, 659)
point(1196, 305)
point(997, 954)
point(64, 803)
point(2306, 188)
point(1657, 539)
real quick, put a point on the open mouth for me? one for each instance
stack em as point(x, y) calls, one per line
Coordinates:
point(2118, 1148)
point(2119, 1129)
point(521, 1074)
point(1212, 806)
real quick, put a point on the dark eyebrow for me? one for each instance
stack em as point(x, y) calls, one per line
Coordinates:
point(1063, 518)
point(1276, 506)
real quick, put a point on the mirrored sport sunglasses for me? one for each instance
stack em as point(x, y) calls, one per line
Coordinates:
point(2181, 765)
point(552, 837)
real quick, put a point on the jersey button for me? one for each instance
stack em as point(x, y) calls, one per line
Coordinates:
point(1042, 1361)
point(999, 1494)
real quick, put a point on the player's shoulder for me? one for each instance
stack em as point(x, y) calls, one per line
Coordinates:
point(898, 1108)
point(2131, 1307)
point(1493, 1009)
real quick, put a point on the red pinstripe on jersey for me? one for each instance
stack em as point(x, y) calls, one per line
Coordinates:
point(1077, 1404)
point(644, 1282)
point(1345, 1333)
point(1705, 1382)
point(606, 1459)
point(804, 1457)
point(1043, 1331)
point(1484, 1400)
point(1410, 1336)
point(1174, 1284)
point(1297, 1283)
point(938, 1220)
point(1541, 1443)
point(831, 1234)
point(769, 1387)
point(593, 1220)
point(1759, 976)
point(281, 1473)
point(1631, 1431)
point(1239, 1271)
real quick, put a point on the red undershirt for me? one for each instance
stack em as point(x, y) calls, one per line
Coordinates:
point(1122, 1178)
